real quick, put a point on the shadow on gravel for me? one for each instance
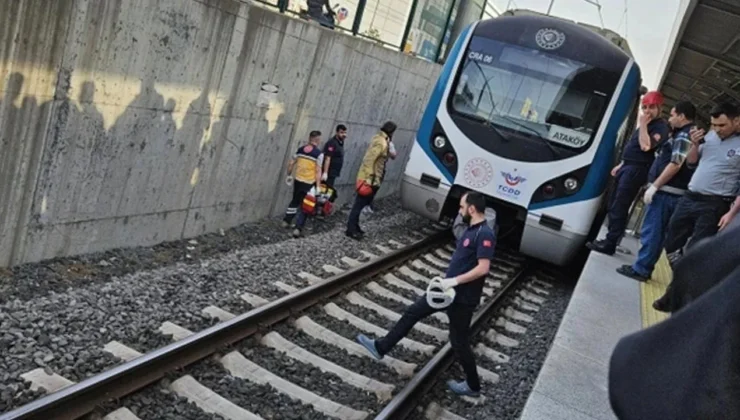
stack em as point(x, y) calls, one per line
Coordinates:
point(38, 279)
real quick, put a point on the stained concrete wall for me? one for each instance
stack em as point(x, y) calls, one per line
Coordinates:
point(132, 122)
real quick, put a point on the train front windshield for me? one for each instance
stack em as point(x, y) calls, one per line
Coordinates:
point(533, 105)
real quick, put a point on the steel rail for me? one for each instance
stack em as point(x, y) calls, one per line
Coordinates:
point(408, 398)
point(82, 398)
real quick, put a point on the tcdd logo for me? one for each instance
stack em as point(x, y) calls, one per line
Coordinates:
point(513, 179)
point(509, 190)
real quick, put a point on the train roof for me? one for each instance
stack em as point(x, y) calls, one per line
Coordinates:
point(576, 42)
point(610, 35)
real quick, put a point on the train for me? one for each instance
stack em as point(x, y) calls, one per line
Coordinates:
point(531, 111)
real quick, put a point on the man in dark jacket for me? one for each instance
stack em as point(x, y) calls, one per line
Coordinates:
point(334, 158)
point(632, 173)
point(669, 179)
point(316, 10)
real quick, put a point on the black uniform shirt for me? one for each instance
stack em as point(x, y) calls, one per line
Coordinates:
point(477, 242)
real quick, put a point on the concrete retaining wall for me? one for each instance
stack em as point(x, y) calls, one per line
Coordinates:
point(132, 122)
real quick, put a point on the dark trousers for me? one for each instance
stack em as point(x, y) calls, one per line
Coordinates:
point(372, 196)
point(300, 189)
point(353, 223)
point(696, 217)
point(460, 316)
point(330, 182)
point(628, 182)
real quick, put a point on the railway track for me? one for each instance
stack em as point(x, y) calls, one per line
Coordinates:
point(298, 342)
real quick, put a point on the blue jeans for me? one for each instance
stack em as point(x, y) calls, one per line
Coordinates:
point(654, 231)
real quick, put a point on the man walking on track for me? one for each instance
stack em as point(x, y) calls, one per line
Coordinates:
point(466, 273)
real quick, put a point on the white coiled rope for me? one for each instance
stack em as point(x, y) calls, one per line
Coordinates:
point(437, 297)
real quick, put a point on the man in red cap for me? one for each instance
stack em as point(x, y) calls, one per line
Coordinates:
point(632, 173)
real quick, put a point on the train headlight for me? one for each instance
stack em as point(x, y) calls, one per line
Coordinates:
point(449, 158)
point(570, 184)
point(440, 142)
point(432, 205)
point(548, 189)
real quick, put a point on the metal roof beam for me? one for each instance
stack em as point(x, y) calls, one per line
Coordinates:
point(708, 82)
point(707, 53)
point(723, 7)
point(684, 92)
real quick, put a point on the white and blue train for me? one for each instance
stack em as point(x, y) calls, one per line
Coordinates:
point(530, 111)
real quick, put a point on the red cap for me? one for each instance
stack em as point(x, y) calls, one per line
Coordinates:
point(653, 98)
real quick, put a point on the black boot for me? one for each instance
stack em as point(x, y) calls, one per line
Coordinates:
point(602, 246)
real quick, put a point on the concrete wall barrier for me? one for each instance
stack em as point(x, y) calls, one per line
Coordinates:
point(132, 122)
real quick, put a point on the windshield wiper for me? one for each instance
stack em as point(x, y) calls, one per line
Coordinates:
point(487, 88)
point(555, 152)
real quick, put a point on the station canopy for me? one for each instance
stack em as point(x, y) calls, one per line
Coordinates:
point(703, 65)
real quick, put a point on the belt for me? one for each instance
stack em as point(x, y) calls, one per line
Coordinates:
point(642, 165)
point(706, 197)
point(672, 190)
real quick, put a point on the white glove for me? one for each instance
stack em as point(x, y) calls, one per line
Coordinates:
point(648, 197)
point(391, 148)
point(324, 176)
point(289, 180)
point(448, 283)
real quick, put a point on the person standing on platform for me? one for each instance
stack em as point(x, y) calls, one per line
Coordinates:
point(334, 159)
point(669, 179)
point(307, 164)
point(466, 273)
point(632, 173)
point(370, 175)
point(707, 206)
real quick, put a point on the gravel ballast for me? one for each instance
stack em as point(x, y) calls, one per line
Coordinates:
point(362, 365)
point(505, 400)
point(159, 403)
point(309, 377)
point(262, 400)
point(385, 323)
point(350, 332)
point(60, 314)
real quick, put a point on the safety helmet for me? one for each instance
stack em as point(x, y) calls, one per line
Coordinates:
point(437, 297)
point(653, 98)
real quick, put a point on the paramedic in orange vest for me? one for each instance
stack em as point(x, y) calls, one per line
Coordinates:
point(307, 163)
point(370, 175)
